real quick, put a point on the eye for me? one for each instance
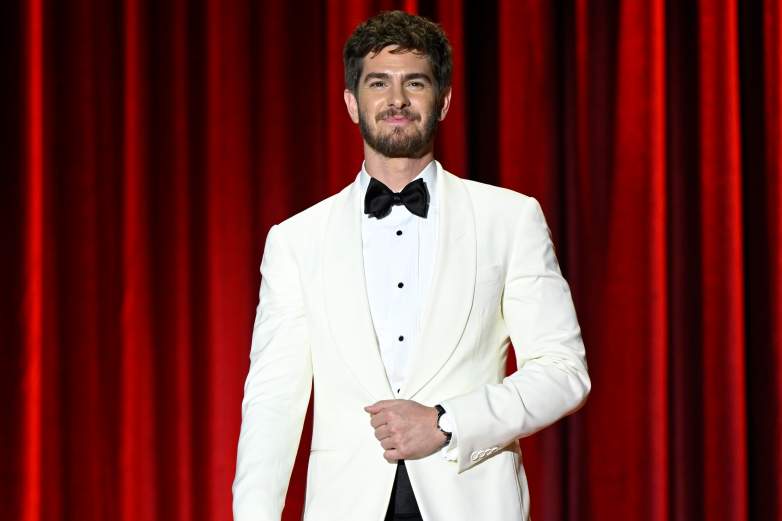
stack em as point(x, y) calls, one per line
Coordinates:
point(415, 84)
point(377, 84)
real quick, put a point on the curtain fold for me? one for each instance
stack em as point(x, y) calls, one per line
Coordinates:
point(723, 354)
point(149, 146)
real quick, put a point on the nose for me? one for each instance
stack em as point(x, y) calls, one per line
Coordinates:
point(397, 97)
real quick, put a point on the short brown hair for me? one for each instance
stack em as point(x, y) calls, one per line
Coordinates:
point(407, 32)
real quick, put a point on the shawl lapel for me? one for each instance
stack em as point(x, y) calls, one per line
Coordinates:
point(345, 295)
point(450, 297)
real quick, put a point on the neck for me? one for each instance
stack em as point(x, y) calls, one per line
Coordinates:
point(395, 172)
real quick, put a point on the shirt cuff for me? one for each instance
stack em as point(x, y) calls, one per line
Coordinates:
point(449, 452)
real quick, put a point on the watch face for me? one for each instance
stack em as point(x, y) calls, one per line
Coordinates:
point(444, 423)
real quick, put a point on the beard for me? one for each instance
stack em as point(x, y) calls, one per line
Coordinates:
point(399, 142)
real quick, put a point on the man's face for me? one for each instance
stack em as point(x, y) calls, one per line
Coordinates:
point(396, 105)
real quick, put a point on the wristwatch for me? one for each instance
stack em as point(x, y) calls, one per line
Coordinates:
point(440, 412)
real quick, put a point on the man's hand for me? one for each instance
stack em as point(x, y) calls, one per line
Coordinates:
point(406, 429)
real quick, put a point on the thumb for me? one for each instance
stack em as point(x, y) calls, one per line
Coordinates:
point(377, 406)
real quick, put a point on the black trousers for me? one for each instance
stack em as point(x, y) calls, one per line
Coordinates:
point(403, 506)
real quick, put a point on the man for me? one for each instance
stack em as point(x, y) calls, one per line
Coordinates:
point(398, 298)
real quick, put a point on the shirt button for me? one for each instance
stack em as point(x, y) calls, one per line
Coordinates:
point(401, 338)
point(399, 232)
point(400, 285)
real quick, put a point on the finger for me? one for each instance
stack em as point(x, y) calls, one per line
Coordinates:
point(378, 406)
point(378, 420)
point(382, 432)
point(388, 443)
point(392, 455)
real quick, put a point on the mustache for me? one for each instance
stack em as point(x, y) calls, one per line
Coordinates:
point(392, 112)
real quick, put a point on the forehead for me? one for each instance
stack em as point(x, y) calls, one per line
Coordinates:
point(399, 62)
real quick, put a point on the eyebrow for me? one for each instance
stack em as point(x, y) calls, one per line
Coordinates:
point(406, 77)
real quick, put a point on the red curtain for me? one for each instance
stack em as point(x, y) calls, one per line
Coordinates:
point(148, 146)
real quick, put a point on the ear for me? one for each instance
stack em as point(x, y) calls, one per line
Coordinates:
point(445, 96)
point(352, 104)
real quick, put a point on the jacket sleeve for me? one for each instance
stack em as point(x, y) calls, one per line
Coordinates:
point(551, 379)
point(276, 391)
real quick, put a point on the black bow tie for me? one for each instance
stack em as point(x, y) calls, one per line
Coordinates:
point(380, 198)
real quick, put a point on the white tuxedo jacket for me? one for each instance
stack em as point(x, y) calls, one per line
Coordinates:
point(496, 280)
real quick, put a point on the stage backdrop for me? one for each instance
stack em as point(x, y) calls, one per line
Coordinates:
point(148, 146)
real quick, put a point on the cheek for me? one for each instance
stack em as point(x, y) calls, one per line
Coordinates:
point(369, 110)
point(368, 101)
point(426, 108)
point(369, 117)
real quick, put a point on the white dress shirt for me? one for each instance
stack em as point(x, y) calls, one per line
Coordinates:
point(399, 252)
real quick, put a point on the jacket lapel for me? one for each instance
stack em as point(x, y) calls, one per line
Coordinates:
point(345, 295)
point(450, 296)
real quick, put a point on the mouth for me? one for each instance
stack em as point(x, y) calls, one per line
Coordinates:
point(397, 120)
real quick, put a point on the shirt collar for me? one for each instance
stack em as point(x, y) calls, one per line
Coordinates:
point(428, 174)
